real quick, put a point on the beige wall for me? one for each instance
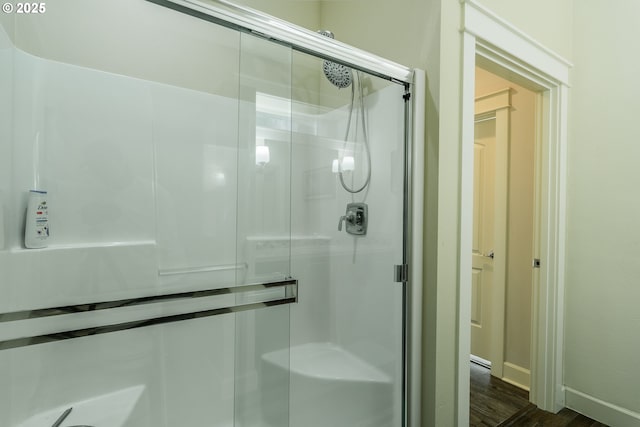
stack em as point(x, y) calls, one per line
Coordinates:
point(602, 339)
point(547, 21)
point(603, 241)
point(303, 13)
point(520, 216)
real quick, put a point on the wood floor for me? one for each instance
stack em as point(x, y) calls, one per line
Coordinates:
point(495, 403)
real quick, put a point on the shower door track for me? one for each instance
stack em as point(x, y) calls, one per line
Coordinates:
point(289, 286)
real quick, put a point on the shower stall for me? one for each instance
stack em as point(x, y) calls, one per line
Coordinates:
point(230, 223)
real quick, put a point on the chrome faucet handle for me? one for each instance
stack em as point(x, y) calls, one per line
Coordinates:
point(349, 217)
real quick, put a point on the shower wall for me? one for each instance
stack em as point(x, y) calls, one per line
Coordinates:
point(133, 168)
point(350, 261)
point(154, 189)
point(165, 46)
point(347, 297)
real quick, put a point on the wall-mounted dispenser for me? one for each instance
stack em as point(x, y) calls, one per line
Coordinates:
point(355, 218)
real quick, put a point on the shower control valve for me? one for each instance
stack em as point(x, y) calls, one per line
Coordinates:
point(355, 219)
point(349, 219)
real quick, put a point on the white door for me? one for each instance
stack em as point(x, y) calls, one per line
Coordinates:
point(483, 238)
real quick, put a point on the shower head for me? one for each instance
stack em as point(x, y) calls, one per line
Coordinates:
point(338, 74)
point(326, 33)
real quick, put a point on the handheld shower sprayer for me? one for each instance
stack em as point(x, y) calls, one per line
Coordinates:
point(342, 76)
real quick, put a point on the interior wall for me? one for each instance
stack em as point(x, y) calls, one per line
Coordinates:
point(303, 13)
point(603, 241)
point(520, 216)
point(547, 21)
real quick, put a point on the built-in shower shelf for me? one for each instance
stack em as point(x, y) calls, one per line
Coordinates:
point(300, 138)
point(72, 274)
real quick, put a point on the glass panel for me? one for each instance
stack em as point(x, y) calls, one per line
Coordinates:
point(346, 330)
point(204, 163)
point(140, 161)
point(196, 172)
point(179, 374)
point(264, 230)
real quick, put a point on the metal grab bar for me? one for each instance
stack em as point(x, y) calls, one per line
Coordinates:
point(291, 296)
point(106, 305)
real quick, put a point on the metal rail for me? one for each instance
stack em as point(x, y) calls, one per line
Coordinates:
point(289, 285)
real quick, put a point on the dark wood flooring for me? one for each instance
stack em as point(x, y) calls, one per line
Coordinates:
point(495, 403)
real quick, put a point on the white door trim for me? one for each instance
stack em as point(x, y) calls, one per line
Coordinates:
point(494, 41)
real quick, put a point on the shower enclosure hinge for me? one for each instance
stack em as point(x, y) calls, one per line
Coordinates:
point(406, 96)
point(401, 273)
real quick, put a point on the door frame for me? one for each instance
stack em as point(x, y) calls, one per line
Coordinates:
point(501, 48)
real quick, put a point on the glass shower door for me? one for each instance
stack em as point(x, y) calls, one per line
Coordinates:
point(263, 231)
point(346, 357)
point(188, 200)
point(321, 196)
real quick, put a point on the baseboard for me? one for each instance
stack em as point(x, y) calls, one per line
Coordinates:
point(600, 410)
point(516, 375)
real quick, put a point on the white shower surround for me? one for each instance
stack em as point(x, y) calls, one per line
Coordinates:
point(99, 136)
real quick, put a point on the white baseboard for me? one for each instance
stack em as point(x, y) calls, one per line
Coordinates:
point(516, 375)
point(600, 410)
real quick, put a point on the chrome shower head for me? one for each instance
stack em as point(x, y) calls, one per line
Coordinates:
point(338, 74)
point(326, 33)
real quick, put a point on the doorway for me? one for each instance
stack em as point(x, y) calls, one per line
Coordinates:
point(494, 45)
point(504, 207)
